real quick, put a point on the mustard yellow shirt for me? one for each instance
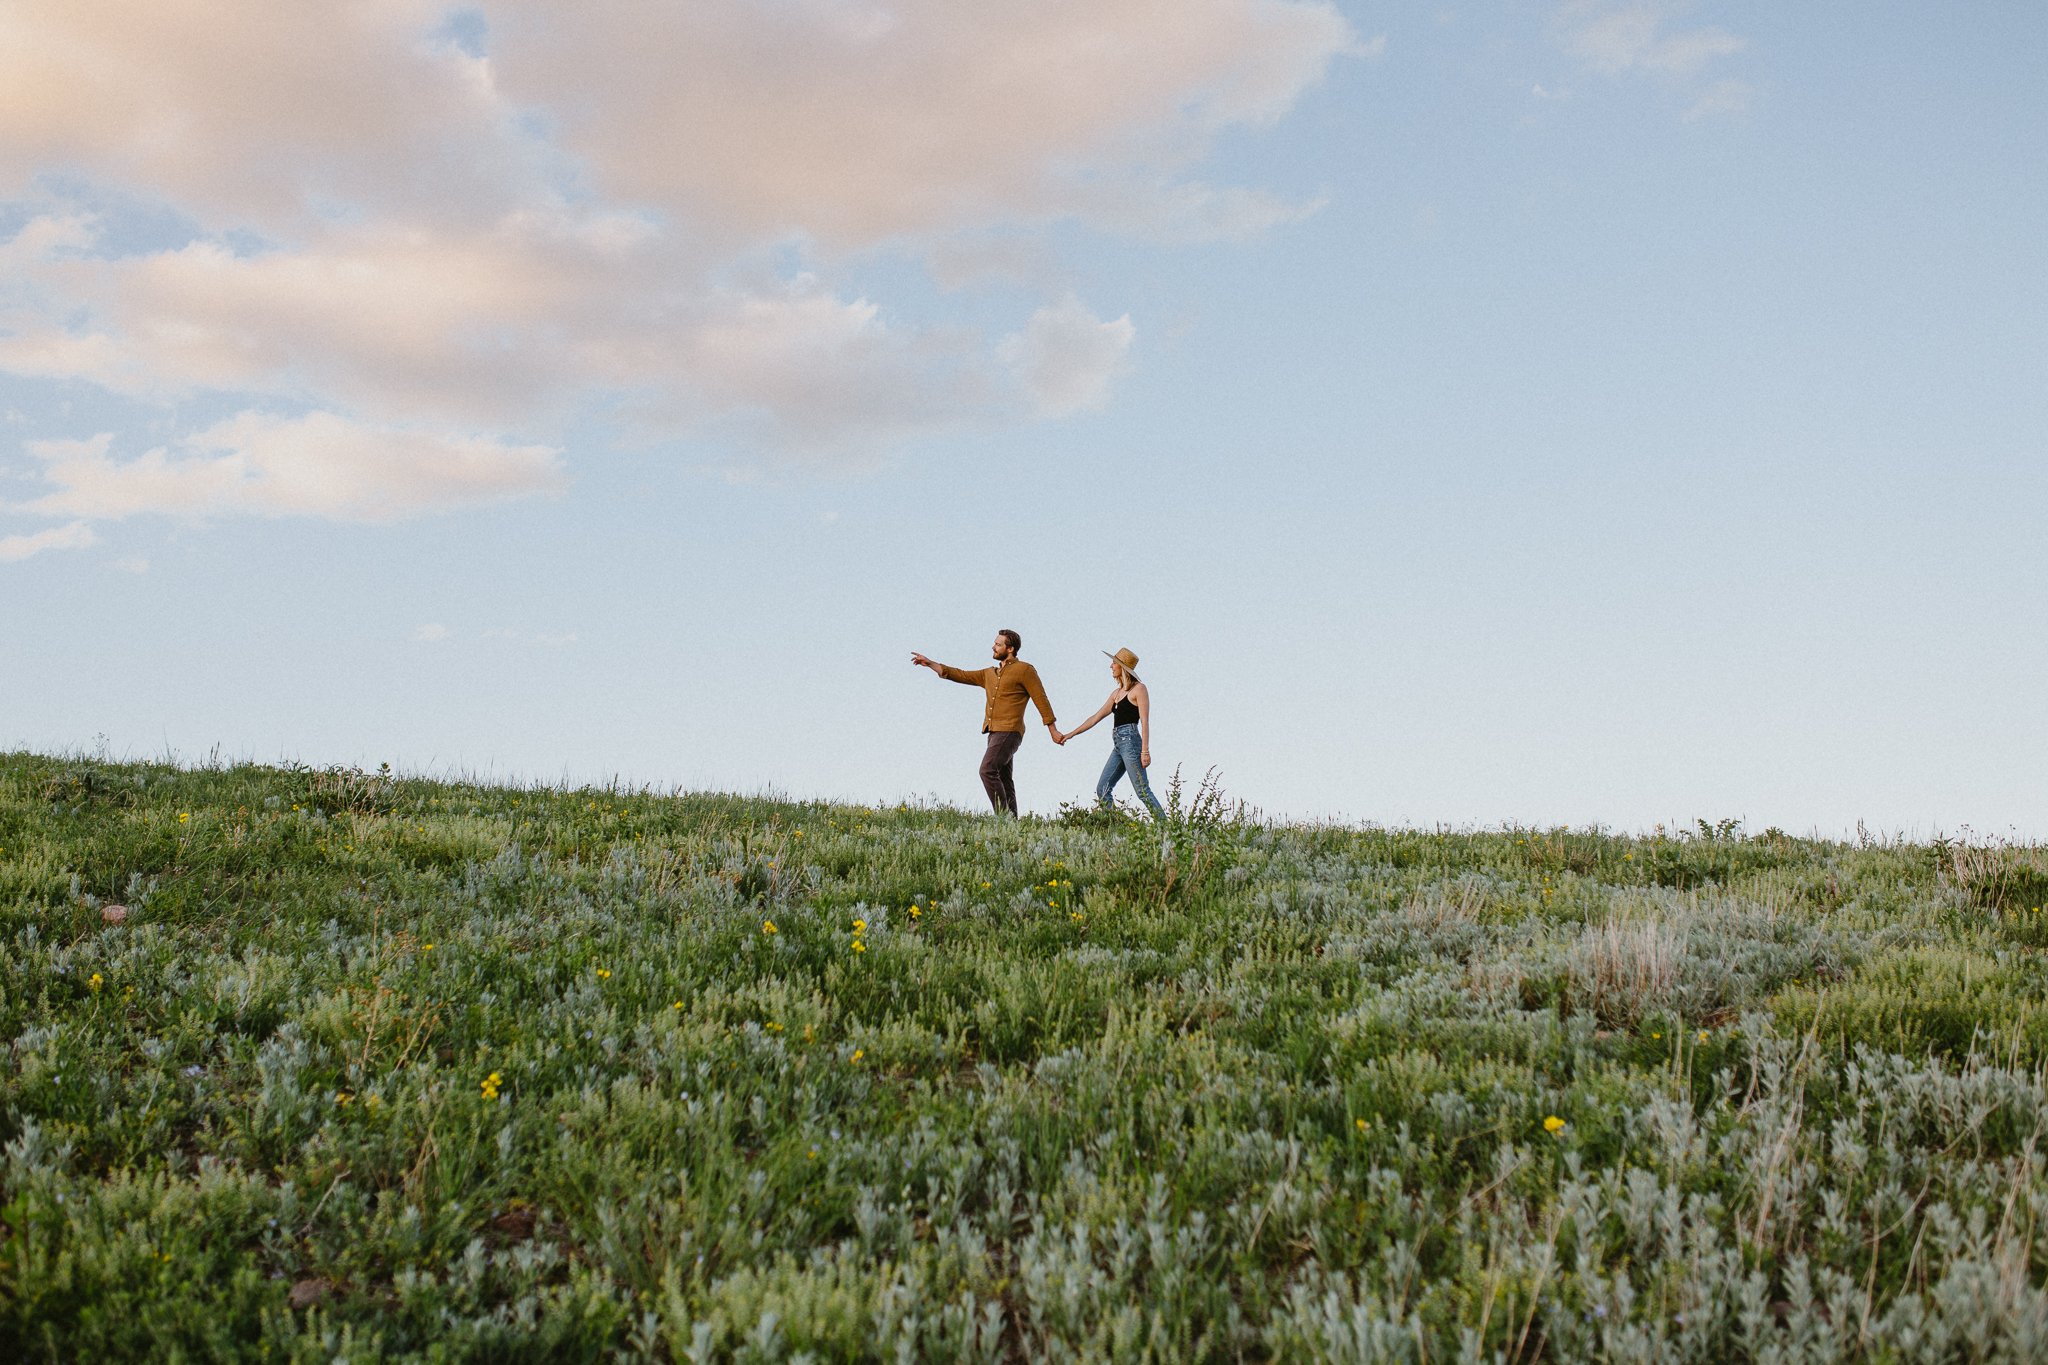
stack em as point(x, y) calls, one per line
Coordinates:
point(1009, 687)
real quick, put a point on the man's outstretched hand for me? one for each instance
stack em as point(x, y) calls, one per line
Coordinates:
point(923, 662)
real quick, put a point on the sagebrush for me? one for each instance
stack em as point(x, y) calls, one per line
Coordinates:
point(382, 1068)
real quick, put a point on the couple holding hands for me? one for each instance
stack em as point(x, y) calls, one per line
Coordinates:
point(1009, 682)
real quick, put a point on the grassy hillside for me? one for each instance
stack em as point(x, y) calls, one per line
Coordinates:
point(373, 1068)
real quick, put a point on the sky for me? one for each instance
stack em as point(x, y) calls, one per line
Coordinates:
point(1587, 412)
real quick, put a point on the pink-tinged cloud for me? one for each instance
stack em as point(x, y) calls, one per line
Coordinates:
point(256, 114)
point(318, 465)
point(74, 536)
point(440, 254)
point(853, 122)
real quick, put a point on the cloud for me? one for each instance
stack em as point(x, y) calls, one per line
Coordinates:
point(850, 122)
point(318, 465)
point(1642, 36)
point(480, 324)
point(75, 536)
point(411, 261)
point(264, 115)
point(1066, 357)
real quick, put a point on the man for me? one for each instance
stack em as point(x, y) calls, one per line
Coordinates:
point(1009, 683)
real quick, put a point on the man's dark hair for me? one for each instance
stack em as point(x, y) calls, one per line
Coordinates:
point(1016, 640)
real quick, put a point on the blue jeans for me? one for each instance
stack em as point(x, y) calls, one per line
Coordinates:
point(1125, 750)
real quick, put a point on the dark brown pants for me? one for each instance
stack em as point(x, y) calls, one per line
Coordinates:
point(997, 773)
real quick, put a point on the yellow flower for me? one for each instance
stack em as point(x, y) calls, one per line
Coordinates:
point(1360, 1124)
point(1703, 1035)
point(984, 886)
point(1075, 916)
point(371, 1101)
point(774, 1027)
point(604, 974)
point(812, 1155)
point(916, 913)
point(678, 1005)
point(96, 982)
point(184, 817)
point(768, 926)
point(860, 926)
point(1656, 1035)
point(428, 948)
point(858, 1053)
point(342, 1097)
point(1553, 1125)
point(859, 947)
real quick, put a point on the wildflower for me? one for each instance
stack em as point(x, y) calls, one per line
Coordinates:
point(1360, 1124)
point(343, 1098)
point(812, 1155)
point(678, 1005)
point(96, 982)
point(1074, 915)
point(916, 913)
point(774, 1027)
point(604, 974)
point(371, 1101)
point(1703, 1035)
point(184, 817)
point(859, 947)
point(984, 886)
point(428, 948)
point(858, 1053)
point(1656, 1035)
point(1553, 1125)
point(768, 927)
point(807, 1033)
point(860, 926)
point(490, 1086)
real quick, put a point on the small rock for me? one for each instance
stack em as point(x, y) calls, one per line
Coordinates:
point(306, 1293)
point(113, 914)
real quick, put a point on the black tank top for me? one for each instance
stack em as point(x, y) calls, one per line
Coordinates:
point(1126, 713)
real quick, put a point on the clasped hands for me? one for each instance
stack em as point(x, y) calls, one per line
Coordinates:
point(1057, 737)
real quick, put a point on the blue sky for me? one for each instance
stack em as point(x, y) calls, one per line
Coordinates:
point(1568, 413)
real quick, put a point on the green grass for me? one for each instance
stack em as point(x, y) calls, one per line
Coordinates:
point(381, 1068)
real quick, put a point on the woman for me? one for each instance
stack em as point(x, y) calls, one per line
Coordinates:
point(1130, 733)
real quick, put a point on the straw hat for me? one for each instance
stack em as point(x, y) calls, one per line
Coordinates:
point(1127, 659)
